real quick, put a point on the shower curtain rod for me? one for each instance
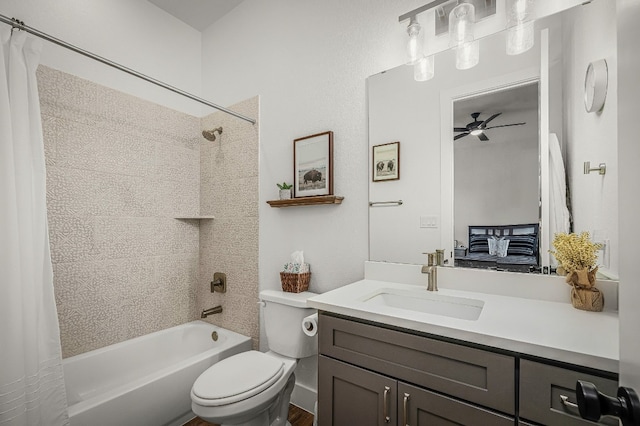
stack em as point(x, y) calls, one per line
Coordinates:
point(16, 24)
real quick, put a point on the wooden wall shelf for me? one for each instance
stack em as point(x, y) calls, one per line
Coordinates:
point(307, 201)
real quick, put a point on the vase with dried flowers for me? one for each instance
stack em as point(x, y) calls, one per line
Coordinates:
point(577, 256)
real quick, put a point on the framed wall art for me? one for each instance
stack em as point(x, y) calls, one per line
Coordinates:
point(313, 165)
point(386, 162)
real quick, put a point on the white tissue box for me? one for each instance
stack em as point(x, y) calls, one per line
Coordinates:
point(296, 268)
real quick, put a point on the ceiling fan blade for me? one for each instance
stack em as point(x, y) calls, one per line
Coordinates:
point(460, 129)
point(485, 122)
point(505, 125)
point(483, 137)
point(461, 135)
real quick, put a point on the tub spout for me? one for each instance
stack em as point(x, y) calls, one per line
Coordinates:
point(211, 311)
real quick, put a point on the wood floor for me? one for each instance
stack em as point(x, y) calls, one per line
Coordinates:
point(297, 417)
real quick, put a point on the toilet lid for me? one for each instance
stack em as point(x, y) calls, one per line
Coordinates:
point(237, 378)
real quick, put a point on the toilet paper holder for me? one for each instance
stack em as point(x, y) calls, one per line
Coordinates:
point(310, 325)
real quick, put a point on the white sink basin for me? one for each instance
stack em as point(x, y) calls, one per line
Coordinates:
point(428, 303)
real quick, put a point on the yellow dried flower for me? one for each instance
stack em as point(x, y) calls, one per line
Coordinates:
point(575, 252)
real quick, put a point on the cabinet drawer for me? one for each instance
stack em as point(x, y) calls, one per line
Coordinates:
point(471, 374)
point(420, 407)
point(541, 387)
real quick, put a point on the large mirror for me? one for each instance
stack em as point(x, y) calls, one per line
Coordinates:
point(450, 185)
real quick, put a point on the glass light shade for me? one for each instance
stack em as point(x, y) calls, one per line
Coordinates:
point(468, 55)
point(423, 70)
point(462, 20)
point(520, 27)
point(519, 11)
point(520, 38)
point(415, 43)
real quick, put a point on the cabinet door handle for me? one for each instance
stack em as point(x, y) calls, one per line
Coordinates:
point(387, 419)
point(570, 405)
point(405, 406)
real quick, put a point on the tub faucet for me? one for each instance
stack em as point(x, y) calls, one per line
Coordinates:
point(211, 311)
point(432, 272)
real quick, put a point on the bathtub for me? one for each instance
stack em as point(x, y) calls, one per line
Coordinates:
point(146, 380)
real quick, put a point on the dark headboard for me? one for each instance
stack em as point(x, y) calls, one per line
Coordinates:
point(524, 239)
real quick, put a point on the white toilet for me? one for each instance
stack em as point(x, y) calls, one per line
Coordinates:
point(254, 388)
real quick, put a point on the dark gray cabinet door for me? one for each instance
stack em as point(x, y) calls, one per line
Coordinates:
point(352, 396)
point(420, 407)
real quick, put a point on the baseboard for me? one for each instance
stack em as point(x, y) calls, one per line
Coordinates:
point(304, 397)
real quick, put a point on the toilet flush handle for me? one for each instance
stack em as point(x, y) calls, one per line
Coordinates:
point(262, 303)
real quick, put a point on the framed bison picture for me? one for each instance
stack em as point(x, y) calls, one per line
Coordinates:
point(313, 165)
point(386, 162)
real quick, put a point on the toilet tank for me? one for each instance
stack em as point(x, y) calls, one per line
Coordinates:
point(283, 314)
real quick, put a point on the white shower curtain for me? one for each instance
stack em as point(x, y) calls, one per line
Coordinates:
point(31, 380)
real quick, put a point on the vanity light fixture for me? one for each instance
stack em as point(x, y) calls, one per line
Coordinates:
point(520, 26)
point(462, 21)
point(458, 18)
point(415, 43)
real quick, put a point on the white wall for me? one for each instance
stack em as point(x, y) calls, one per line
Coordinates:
point(308, 61)
point(629, 152)
point(134, 33)
point(592, 137)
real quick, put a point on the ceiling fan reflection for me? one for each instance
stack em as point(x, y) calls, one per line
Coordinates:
point(477, 127)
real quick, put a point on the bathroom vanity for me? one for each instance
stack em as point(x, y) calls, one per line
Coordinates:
point(395, 354)
point(372, 374)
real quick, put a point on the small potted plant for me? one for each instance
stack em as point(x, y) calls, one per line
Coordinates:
point(285, 190)
point(577, 257)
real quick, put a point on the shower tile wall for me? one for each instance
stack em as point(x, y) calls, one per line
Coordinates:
point(119, 169)
point(229, 244)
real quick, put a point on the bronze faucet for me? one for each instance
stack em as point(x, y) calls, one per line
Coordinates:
point(431, 269)
point(215, 310)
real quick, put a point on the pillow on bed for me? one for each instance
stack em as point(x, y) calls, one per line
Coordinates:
point(493, 245)
point(478, 244)
point(502, 246)
point(522, 244)
point(498, 246)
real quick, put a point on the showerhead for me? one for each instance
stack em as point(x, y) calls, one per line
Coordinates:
point(210, 135)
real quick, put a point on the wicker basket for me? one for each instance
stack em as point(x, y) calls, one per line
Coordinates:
point(295, 283)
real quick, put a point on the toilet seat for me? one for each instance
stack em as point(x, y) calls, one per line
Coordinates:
point(237, 378)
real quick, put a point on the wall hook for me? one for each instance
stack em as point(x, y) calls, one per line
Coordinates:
point(601, 169)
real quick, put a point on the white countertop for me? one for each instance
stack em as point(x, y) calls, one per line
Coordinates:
point(543, 328)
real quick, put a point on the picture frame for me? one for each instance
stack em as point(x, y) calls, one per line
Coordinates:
point(313, 165)
point(386, 162)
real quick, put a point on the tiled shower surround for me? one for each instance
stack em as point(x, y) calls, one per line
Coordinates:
point(229, 244)
point(120, 170)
